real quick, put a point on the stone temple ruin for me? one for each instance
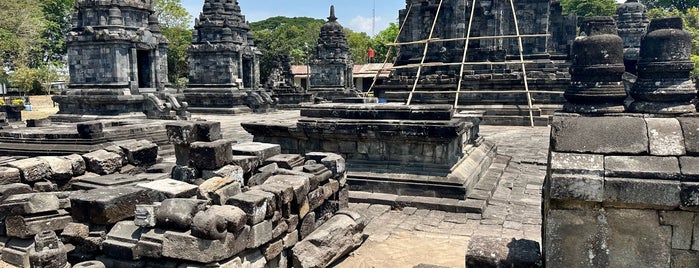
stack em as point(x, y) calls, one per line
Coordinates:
point(224, 67)
point(621, 177)
point(118, 64)
point(331, 69)
point(621, 185)
point(546, 56)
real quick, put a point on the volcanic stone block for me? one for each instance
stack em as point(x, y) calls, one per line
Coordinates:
point(77, 164)
point(690, 129)
point(689, 195)
point(254, 205)
point(221, 195)
point(170, 188)
point(107, 205)
point(286, 161)
point(9, 175)
point(234, 216)
point(208, 188)
point(254, 258)
point(334, 162)
point(32, 169)
point(690, 168)
point(90, 130)
point(122, 239)
point(665, 136)
point(184, 246)
point(320, 174)
point(181, 133)
point(211, 155)
point(209, 225)
point(48, 251)
point(486, 251)
point(261, 150)
point(103, 162)
point(61, 168)
point(247, 163)
point(575, 237)
point(141, 152)
point(273, 249)
point(228, 171)
point(627, 135)
point(208, 130)
point(145, 215)
point(577, 187)
point(185, 173)
point(284, 193)
point(682, 225)
point(647, 167)
point(290, 239)
point(8, 190)
point(628, 246)
point(570, 163)
point(151, 243)
point(179, 212)
point(90, 264)
point(117, 150)
point(260, 234)
point(331, 241)
point(307, 225)
point(26, 226)
point(300, 184)
point(16, 252)
point(30, 203)
point(647, 193)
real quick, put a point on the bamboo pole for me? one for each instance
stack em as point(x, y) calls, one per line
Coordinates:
point(424, 52)
point(390, 49)
point(521, 58)
point(463, 57)
point(437, 40)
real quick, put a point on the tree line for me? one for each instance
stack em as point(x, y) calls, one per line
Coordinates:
point(32, 48)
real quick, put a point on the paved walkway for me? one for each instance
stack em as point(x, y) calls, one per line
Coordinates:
point(408, 237)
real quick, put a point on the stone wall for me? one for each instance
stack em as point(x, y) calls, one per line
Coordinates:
point(623, 196)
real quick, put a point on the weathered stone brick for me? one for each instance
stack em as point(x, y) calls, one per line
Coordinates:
point(626, 135)
point(577, 187)
point(647, 167)
point(649, 193)
point(665, 136)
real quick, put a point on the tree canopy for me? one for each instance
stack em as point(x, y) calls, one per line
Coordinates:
point(681, 5)
point(587, 8)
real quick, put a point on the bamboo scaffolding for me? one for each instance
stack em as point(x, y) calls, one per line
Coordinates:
point(438, 40)
point(521, 58)
point(424, 52)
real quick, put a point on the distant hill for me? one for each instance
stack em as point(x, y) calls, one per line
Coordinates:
point(274, 22)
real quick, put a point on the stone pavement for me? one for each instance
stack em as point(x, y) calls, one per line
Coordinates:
point(410, 236)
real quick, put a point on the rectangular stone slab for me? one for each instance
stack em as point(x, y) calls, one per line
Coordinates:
point(602, 135)
point(29, 225)
point(107, 205)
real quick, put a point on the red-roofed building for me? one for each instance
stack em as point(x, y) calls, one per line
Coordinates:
point(363, 74)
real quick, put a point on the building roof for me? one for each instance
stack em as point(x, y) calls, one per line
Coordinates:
point(359, 70)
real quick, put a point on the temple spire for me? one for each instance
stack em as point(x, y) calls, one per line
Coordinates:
point(332, 14)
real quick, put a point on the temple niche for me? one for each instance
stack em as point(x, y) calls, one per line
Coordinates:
point(224, 67)
point(117, 61)
point(331, 68)
point(546, 56)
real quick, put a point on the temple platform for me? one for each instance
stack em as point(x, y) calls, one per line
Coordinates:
point(418, 155)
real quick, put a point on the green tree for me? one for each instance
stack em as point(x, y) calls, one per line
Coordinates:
point(21, 26)
point(172, 14)
point(681, 5)
point(378, 43)
point(295, 37)
point(177, 56)
point(587, 8)
point(57, 15)
point(359, 43)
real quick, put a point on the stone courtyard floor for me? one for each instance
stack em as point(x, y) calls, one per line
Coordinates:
point(410, 236)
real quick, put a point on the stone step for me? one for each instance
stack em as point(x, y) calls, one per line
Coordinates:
point(421, 202)
point(486, 186)
point(380, 183)
point(521, 120)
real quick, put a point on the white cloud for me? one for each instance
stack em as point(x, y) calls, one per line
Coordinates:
point(362, 24)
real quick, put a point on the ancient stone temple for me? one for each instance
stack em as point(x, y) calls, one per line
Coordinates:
point(632, 21)
point(224, 68)
point(491, 18)
point(621, 189)
point(331, 68)
point(117, 59)
point(281, 82)
point(597, 67)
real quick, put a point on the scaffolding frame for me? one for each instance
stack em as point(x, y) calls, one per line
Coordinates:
point(464, 62)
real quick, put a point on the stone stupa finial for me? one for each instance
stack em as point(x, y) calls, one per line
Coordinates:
point(332, 14)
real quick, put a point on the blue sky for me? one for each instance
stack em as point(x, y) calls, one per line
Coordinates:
point(354, 14)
